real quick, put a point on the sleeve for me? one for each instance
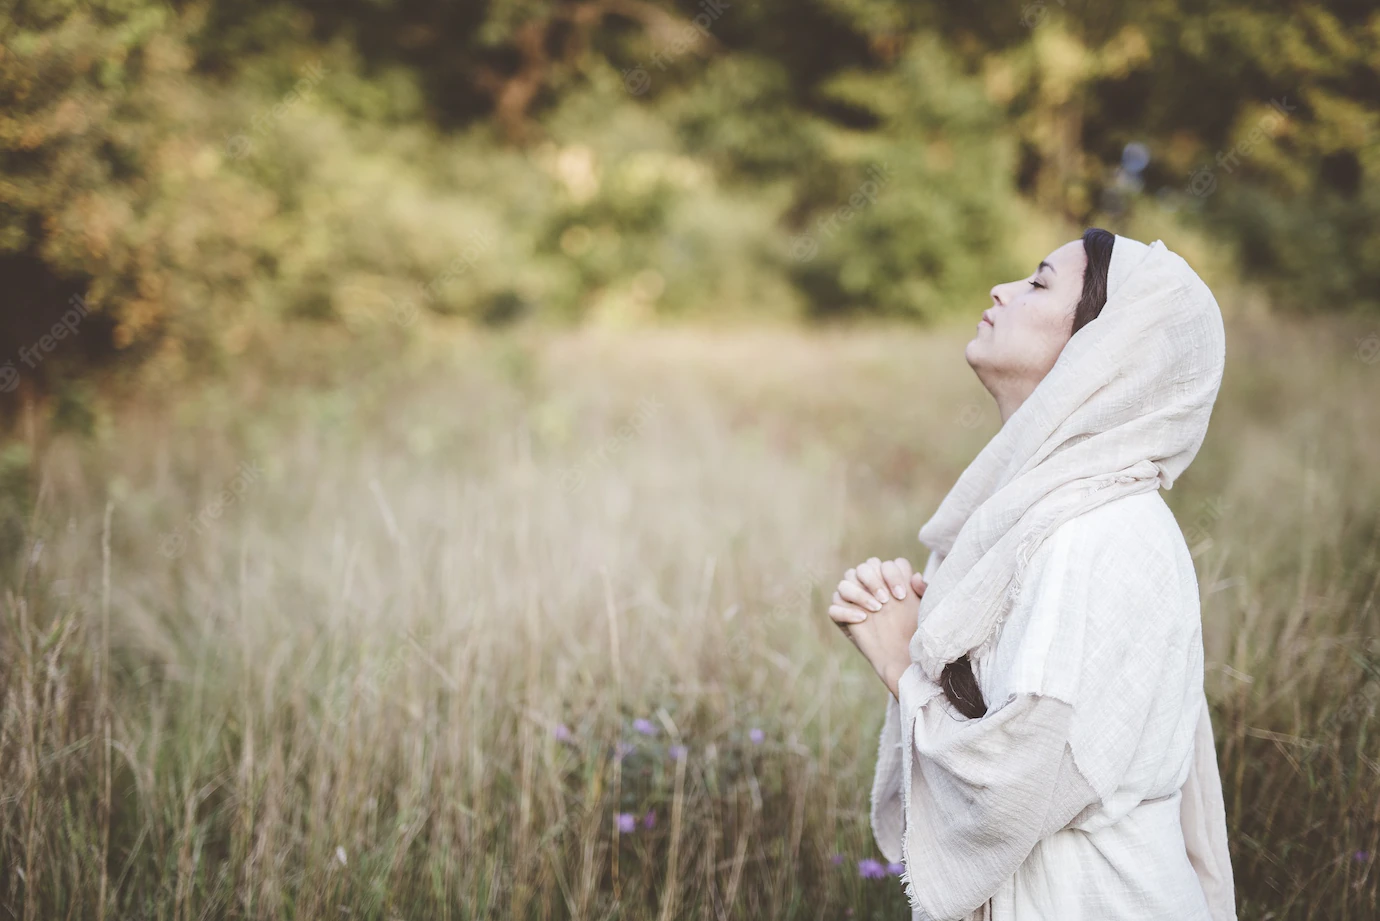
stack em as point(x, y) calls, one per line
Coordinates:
point(1204, 818)
point(978, 795)
point(888, 815)
point(963, 802)
point(1081, 679)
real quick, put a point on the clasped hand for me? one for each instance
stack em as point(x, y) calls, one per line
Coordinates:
point(877, 606)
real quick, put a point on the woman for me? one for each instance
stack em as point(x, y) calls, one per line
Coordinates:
point(1047, 751)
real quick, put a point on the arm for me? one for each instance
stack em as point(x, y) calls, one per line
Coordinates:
point(978, 795)
point(963, 802)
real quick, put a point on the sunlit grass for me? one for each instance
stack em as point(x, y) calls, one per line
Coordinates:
point(377, 649)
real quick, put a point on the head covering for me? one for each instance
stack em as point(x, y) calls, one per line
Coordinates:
point(1123, 411)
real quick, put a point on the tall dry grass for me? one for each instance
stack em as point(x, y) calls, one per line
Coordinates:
point(372, 645)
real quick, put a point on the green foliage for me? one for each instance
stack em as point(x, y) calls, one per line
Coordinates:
point(1321, 252)
point(200, 175)
point(739, 116)
point(920, 221)
point(107, 180)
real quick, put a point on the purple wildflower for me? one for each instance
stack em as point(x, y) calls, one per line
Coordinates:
point(1362, 856)
point(756, 735)
point(837, 860)
point(623, 749)
point(626, 823)
point(646, 727)
point(895, 869)
point(561, 732)
point(871, 869)
point(678, 752)
point(649, 820)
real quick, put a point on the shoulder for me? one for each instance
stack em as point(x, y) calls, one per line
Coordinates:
point(1144, 514)
point(1138, 530)
point(1106, 587)
point(1124, 560)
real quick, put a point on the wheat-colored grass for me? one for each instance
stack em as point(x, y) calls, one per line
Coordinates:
point(365, 644)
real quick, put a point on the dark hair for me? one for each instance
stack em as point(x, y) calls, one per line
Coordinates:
point(1097, 245)
point(957, 680)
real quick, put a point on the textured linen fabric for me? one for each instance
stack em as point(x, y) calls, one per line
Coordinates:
point(1089, 791)
point(1124, 410)
point(1090, 788)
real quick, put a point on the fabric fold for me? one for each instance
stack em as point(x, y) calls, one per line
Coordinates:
point(1123, 411)
point(1013, 774)
point(1089, 791)
point(1203, 816)
point(1065, 799)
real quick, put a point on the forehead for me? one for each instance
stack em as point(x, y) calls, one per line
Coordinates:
point(1069, 259)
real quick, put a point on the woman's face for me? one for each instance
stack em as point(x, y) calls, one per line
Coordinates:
point(1021, 335)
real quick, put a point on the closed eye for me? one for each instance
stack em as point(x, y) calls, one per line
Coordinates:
point(1036, 284)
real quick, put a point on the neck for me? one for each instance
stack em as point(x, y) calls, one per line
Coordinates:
point(1010, 396)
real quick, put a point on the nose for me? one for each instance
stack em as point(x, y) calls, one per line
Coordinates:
point(1003, 293)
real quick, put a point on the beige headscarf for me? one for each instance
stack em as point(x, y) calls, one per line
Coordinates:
point(1123, 411)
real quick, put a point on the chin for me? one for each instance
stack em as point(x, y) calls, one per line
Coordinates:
point(973, 352)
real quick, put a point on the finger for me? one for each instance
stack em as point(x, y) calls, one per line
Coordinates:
point(854, 593)
point(851, 575)
point(903, 564)
point(870, 575)
point(845, 615)
point(891, 574)
point(838, 601)
point(918, 584)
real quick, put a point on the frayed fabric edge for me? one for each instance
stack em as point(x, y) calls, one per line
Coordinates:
point(908, 760)
point(886, 755)
point(933, 663)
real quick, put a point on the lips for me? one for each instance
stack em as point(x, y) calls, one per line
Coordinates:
point(986, 318)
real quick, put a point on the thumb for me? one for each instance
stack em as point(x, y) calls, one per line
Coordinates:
point(917, 583)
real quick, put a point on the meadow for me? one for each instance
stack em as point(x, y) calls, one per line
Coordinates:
point(532, 625)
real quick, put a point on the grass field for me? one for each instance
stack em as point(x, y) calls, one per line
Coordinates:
point(404, 642)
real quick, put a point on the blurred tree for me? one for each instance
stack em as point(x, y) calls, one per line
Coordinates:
point(919, 222)
point(1076, 82)
point(111, 237)
point(189, 173)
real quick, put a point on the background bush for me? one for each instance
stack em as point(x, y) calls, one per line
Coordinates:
point(197, 175)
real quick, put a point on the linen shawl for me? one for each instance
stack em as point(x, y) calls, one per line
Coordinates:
point(1123, 411)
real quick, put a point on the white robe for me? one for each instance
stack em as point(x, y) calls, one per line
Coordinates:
point(1090, 790)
